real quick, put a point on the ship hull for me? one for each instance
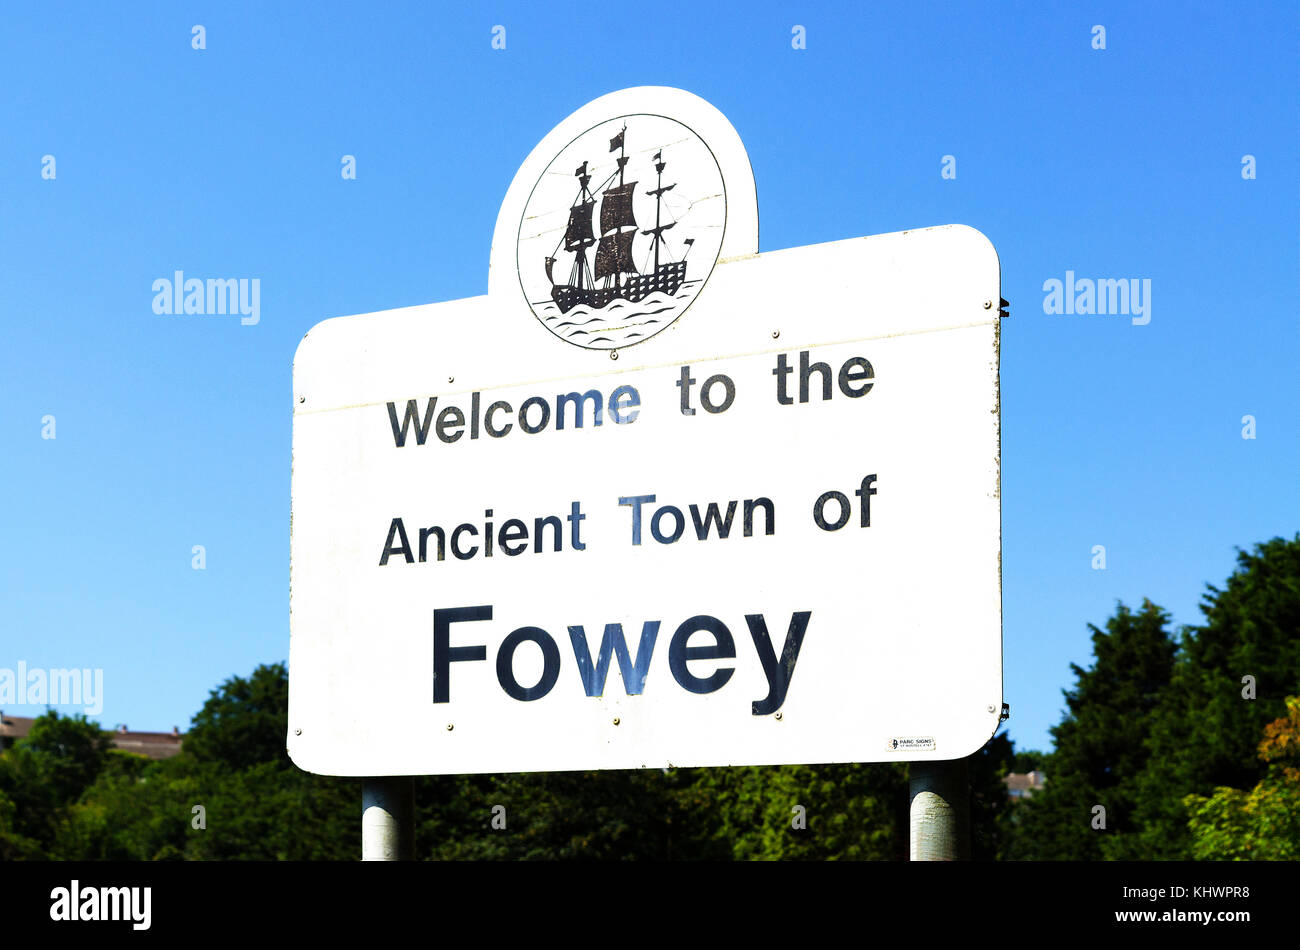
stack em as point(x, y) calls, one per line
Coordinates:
point(667, 279)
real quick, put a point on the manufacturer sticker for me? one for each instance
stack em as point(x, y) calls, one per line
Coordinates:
point(912, 744)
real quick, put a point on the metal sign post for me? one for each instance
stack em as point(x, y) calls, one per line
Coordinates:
point(388, 819)
point(939, 810)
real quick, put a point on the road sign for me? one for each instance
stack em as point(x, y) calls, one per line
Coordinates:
point(656, 499)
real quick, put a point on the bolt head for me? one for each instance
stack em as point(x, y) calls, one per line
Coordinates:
point(775, 334)
point(297, 732)
point(993, 709)
point(616, 720)
point(451, 379)
point(988, 305)
point(302, 398)
point(613, 354)
point(778, 715)
point(450, 727)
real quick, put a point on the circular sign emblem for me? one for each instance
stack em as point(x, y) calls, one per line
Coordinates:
point(621, 231)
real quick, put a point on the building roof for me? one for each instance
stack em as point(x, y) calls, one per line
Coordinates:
point(153, 745)
point(1025, 781)
point(14, 727)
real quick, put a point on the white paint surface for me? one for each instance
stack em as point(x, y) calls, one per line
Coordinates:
point(904, 637)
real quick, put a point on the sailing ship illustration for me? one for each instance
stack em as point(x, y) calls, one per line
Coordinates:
point(615, 276)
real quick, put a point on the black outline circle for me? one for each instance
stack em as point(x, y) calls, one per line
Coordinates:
point(726, 214)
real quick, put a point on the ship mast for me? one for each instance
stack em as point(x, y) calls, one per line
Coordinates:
point(622, 162)
point(578, 235)
point(584, 196)
point(622, 153)
point(617, 223)
point(658, 230)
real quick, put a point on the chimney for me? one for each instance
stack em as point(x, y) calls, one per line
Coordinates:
point(121, 728)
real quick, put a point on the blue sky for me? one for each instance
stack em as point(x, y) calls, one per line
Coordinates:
point(174, 431)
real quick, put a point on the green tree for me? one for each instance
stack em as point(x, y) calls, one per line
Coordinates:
point(131, 813)
point(14, 846)
point(1100, 749)
point(265, 812)
point(1262, 824)
point(990, 809)
point(43, 774)
point(1204, 733)
point(1030, 760)
point(616, 815)
point(245, 721)
point(231, 794)
point(824, 812)
point(850, 812)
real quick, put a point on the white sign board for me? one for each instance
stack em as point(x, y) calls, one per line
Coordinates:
point(752, 518)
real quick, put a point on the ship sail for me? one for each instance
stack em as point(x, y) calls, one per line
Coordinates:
point(616, 208)
point(614, 255)
point(578, 234)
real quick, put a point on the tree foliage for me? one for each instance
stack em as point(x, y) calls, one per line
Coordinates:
point(1262, 824)
point(1205, 731)
point(1164, 736)
point(1099, 744)
point(45, 771)
point(245, 721)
